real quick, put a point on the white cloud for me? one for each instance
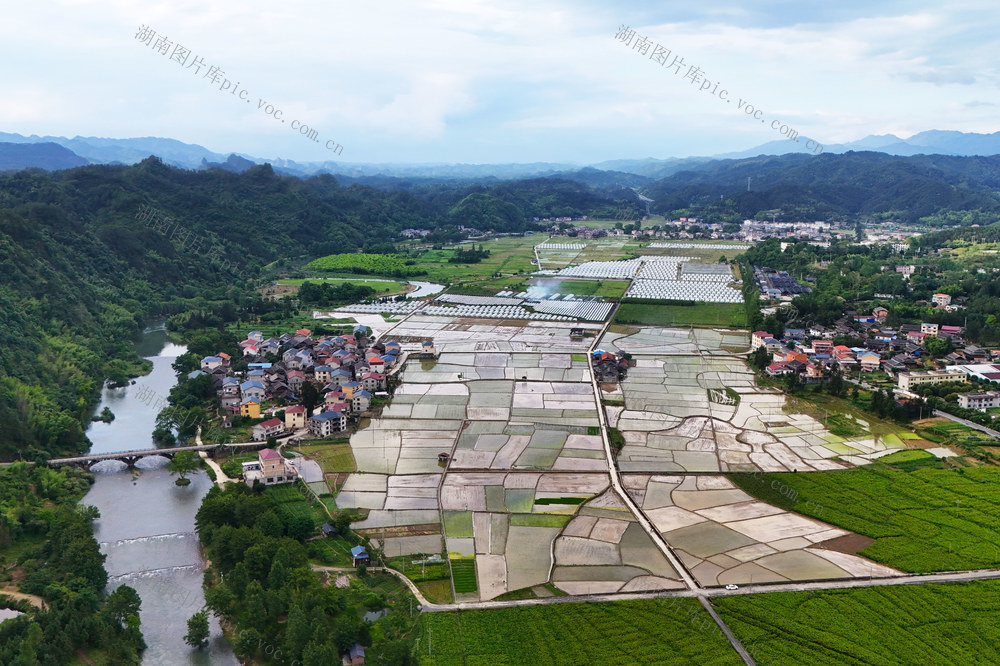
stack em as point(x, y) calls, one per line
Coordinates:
point(479, 81)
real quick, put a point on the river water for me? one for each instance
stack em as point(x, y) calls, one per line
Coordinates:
point(147, 523)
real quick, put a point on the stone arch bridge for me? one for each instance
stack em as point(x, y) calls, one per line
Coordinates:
point(130, 458)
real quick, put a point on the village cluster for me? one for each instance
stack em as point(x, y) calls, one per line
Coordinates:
point(347, 372)
point(899, 352)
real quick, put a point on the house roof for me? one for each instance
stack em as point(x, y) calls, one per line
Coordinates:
point(247, 401)
point(295, 409)
point(358, 551)
point(269, 454)
point(212, 359)
point(326, 416)
point(196, 373)
point(253, 383)
point(362, 394)
point(270, 423)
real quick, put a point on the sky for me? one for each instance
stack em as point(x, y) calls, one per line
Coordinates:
point(469, 81)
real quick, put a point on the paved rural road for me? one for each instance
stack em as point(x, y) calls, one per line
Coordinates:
point(916, 579)
point(647, 525)
point(974, 426)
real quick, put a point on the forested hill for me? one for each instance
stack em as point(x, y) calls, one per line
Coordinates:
point(822, 187)
point(80, 273)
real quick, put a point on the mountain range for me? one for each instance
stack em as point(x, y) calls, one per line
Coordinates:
point(44, 153)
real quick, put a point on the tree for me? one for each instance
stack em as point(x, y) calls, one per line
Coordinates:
point(937, 347)
point(197, 635)
point(121, 604)
point(183, 463)
point(760, 358)
point(310, 397)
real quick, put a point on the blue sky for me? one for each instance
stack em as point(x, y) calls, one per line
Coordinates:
point(496, 82)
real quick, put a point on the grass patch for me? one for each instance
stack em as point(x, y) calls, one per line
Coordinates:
point(699, 314)
point(333, 458)
point(539, 520)
point(436, 591)
point(923, 516)
point(617, 439)
point(579, 357)
point(916, 624)
point(623, 632)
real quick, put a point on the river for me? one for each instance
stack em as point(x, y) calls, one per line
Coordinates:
point(146, 527)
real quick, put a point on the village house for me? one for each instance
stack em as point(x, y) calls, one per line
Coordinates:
point(210, 363)
point(322, 373)
point(295, 417)
point(870, 362)
point(929, 329)
point(325, 424)
point(941, 300)
point(295, 379)
point(269, 428)
point(361, 401)
point(980, 401)
point(354, 657)
point(823, 347)
point(250, 407)
point(253, 389)
point(269, 468)
point(906, 381)
point(780, 368)
point(757, 339)
point(880, 314)
point(373, 381)
point(359, 555)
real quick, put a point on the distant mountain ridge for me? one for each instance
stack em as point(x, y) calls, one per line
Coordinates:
point(48, 156)
point(624, 172)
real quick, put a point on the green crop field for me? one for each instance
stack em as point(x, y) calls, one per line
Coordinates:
point(508, 255)
point(922, 518)
point(332, 458)
point(371, 264)
point(905, 624)
point(699, 314)
point(624, 632)
point(463, 572)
